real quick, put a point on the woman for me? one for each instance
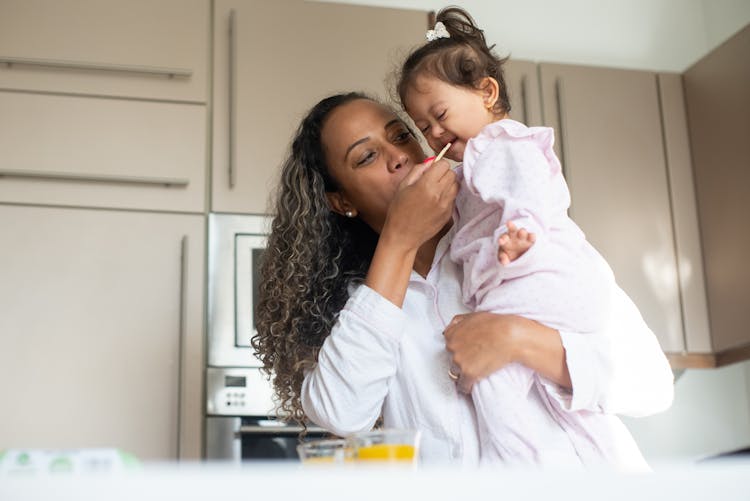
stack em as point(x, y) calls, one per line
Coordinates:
point(361, 313)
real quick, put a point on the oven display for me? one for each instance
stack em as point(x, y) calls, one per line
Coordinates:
point(235, 381)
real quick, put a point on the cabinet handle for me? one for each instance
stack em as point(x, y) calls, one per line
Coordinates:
point(231, 82)
point(276, 430)
point(75, 65)
point(560, 100)
point(524, 106)
point(72, 176)
point(181, 338)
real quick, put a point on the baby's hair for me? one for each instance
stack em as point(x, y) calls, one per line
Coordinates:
point(463, 59)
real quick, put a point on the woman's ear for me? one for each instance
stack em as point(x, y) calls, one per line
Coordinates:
point(490, 92)
point(340, 205)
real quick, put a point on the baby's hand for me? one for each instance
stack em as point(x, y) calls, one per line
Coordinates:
point(514, 243)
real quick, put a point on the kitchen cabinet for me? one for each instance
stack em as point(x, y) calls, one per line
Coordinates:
point(113, 117)
point(522, 80)
point(272, 62)
point(688, 247)
point(717, 99)
point(102, 330)
point(114, 153)
point(127, 48)
point(609, 139)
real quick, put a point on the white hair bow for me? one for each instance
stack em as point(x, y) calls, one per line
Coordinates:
point(438, 32)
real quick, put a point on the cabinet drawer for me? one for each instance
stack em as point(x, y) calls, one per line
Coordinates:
point(80, 151)
point(106, 47)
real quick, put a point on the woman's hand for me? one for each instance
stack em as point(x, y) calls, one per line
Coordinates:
point(421, 207)
point(482, 343)
point(423, 204)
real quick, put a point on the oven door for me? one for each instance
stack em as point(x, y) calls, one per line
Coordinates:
point(254, 439)
point(236, 246)
point(241, 424)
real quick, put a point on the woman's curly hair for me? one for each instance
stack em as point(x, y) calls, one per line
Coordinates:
point(312, 256)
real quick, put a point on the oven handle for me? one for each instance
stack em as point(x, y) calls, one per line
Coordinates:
point(276, 430)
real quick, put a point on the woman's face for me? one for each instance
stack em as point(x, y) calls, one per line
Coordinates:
point(369, 150)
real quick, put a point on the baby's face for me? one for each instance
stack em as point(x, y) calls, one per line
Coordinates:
point(446, 113)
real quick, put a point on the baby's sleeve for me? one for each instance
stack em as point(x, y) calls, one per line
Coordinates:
point(521, 176)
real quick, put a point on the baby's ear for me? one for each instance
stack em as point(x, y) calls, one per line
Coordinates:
point(490, 91)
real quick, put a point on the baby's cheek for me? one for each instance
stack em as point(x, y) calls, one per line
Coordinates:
point(456, 153)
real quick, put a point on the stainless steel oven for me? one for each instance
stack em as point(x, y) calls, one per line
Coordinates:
point(240, 412)
point(241, 424)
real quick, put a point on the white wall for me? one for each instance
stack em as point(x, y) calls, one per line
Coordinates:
point(724, 18)
point(660, 35)
point(710, 414)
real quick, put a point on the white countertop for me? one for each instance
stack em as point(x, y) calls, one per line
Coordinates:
point(729, 480)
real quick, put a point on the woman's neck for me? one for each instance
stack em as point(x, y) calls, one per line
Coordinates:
point(426, 253)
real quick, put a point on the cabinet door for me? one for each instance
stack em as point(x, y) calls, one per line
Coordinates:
point(717, 93)
point(136, 48)
point(522, 80)
point(685, 218)
point(274, 63)
point(609, 139)
point(82, 151)
point(102, 330)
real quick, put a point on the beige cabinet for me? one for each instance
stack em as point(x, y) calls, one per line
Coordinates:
point(101, 327)
point(134, 48)
point(689, 253)
point(717, 97)
point(522, 80)
point(609, 138)
point(272, 62)
point(83, 151)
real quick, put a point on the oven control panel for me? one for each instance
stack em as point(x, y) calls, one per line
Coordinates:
point(238, 392)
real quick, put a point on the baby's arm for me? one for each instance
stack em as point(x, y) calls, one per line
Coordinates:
point(521, 179)
point(514, 243)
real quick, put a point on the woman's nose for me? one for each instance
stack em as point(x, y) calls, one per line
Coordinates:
point(397, 159)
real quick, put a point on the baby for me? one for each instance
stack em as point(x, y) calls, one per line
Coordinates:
point(453, 88)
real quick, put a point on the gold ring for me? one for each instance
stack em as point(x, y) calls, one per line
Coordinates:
point(453, 375)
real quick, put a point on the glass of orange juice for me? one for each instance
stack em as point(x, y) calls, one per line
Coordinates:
point(388, 445)
point(325, 451)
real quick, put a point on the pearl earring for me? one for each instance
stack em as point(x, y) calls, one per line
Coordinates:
point(349, 213)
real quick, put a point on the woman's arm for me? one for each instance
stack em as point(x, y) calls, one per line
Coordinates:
point(482, 343)
point(345, 391)
point(422, 206)
point(621, 369)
